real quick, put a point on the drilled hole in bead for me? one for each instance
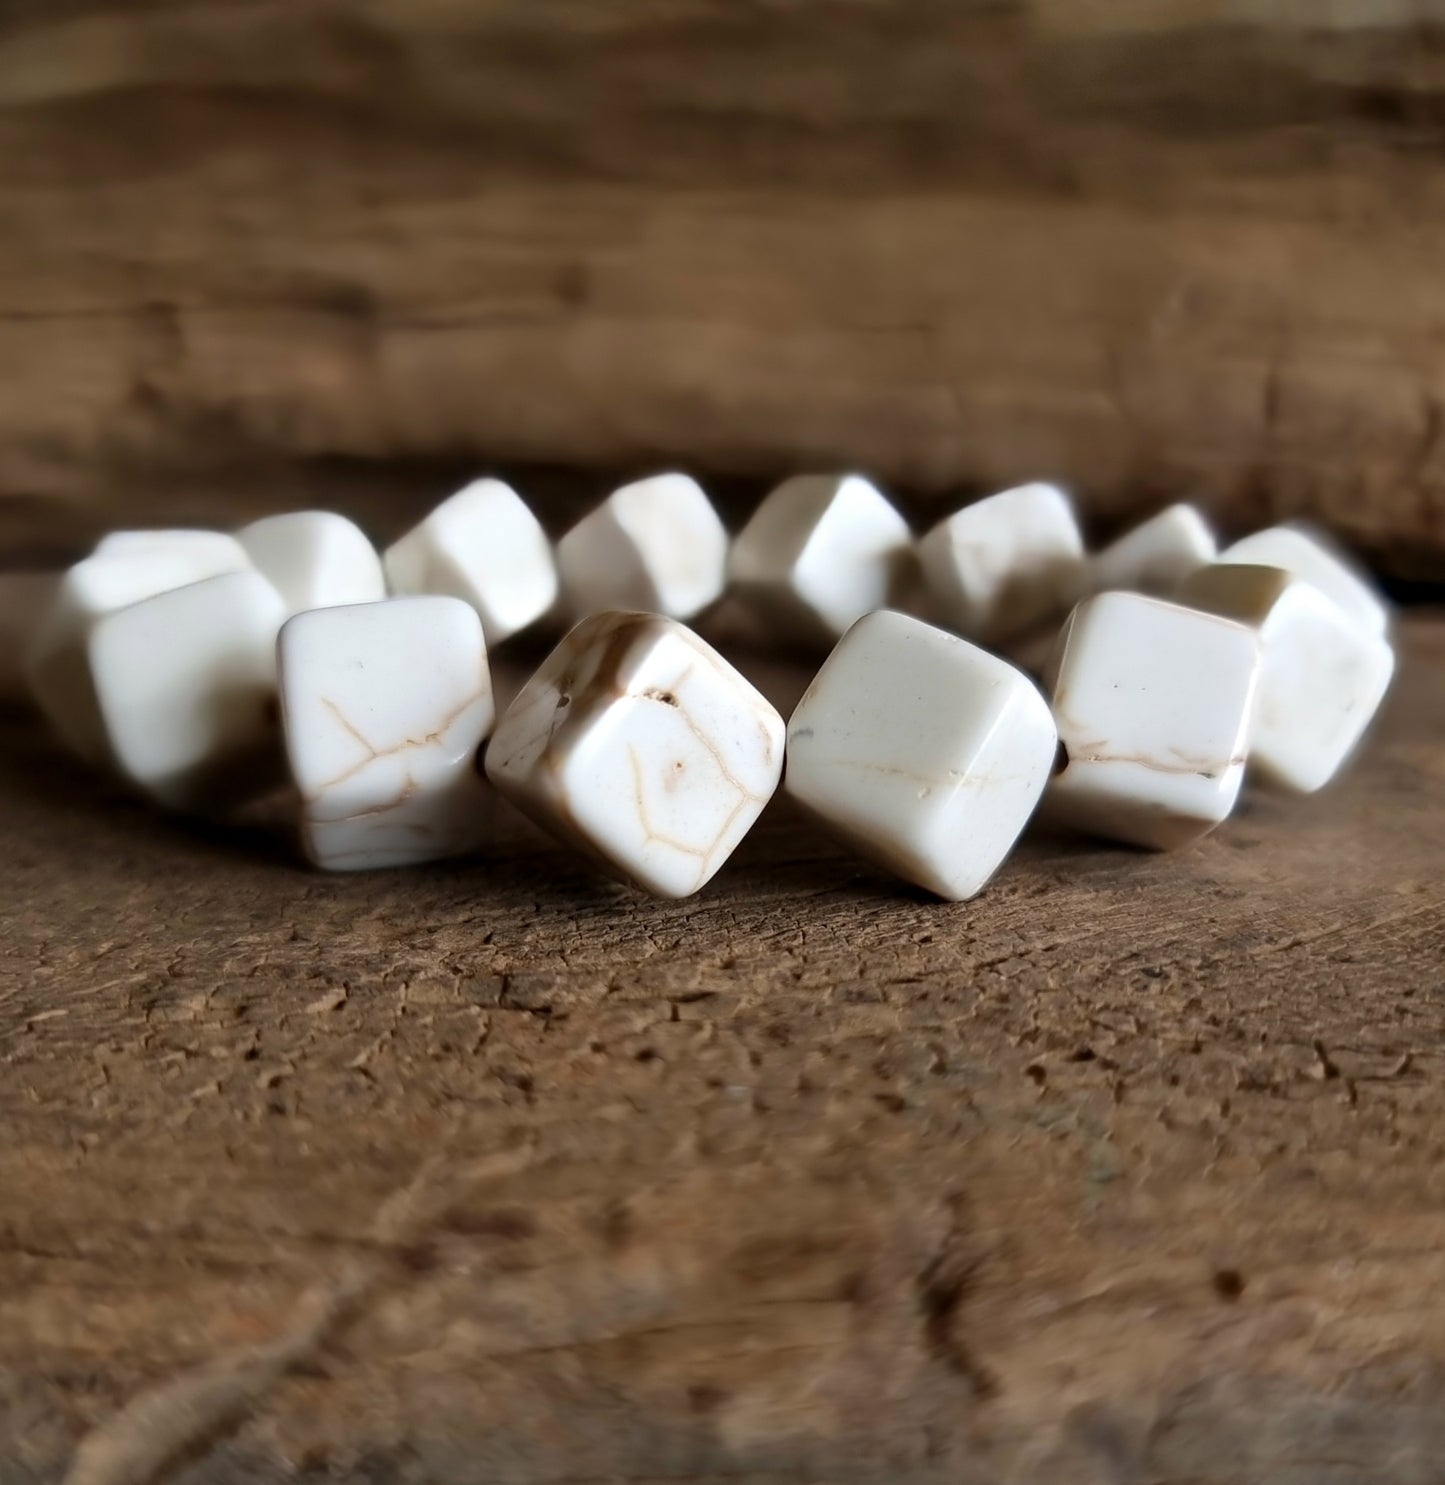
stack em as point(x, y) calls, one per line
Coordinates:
point(1061, 759)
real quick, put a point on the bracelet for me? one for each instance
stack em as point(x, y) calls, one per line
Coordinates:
point(920, 743)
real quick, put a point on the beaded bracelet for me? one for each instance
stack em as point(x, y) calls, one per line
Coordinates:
point(163, 653)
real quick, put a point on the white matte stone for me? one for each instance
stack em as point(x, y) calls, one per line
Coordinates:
point(127, 568)
point(314, 559)
point(820, 552)
point(1303, 554)
point(386, 706)
point(484, 546)
point(1155, 556)
point(922, 751)
point(186, 684)
point(995, 567)
point(657, 545)
point(1152, 702)
point(1321, 679)
point(637, 742)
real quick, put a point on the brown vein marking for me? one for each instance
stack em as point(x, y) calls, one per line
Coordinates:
point(642, 813)
point(713, 751)
point(373, 753)
point(1189, 766)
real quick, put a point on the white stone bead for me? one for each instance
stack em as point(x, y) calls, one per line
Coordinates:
point(127, 568)
point(657, 545)
point(922, 751)
point(820, 552)
point(639, 743)
point(1303, 554)
point(314, 559)
point(186, 683)
point(1321, 677)
point(25, 598)
point(386, 706)
point(484, 546)
point(1155, 556)
point(1152, 702)
point(216, 551)
point(1004, 563)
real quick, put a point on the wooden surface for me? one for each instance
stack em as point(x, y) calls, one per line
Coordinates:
point(1129, 1171)
point(1144, 246)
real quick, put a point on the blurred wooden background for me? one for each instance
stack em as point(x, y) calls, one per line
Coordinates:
point(276, 249)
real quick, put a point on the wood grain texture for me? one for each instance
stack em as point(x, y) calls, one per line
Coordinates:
point(1147, 248)
point(1129, 1170)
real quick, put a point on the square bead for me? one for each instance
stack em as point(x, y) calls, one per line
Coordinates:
point(484, 546)
point(314, 559)
point(186, 683)
point(922, 751)
point(1156, 556)
point(1306, 555)
point(126, 568)
point(1322, 677)
point(637, 742)
point(820, 552)
point(1004, 563)
point(1152, 702)
point(216, 551)
point(386, 706)
point(656, 545)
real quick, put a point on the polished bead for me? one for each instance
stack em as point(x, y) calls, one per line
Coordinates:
point(386, 706)
point(1152, 702)
point(1304, 554)
point(656, 545)
point(1004, 563)
point(186, 684)
point(215, 551)
point(922, 751)
point(1155, 556)
point(484, 546)
point(1322, 677)
point(314, 559)
point(818, 553)
point(639, 743)
point(126, 568)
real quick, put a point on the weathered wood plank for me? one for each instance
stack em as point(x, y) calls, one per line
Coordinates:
point(1148, 249)
point(1128, 1170)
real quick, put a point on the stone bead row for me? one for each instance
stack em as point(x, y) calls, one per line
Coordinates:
point(162, 654)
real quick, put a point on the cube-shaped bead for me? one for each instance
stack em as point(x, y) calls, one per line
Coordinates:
point(216, 551)
point(1152, 702)
point(656, 545)
point(386, 706)
point(995, 567)
point(1156, 556)
point(314, 559)
point(1304, 554)
point(1321, 678)
point(820, 552)
point(484, 546)
point(186, 683)
point(126, 568)
point(637, 742)
point(922, 751)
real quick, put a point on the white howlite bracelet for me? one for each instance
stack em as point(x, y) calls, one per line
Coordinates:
point(179, 658)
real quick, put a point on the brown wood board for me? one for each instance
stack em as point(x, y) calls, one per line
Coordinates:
point(1130, 1170)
